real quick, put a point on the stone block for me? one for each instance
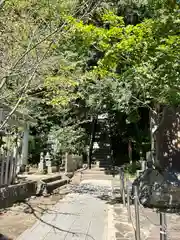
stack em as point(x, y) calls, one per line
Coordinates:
point(72, 163)
point(158, 189)
point(15, 193)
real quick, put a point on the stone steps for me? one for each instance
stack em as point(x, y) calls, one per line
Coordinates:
point(101, 151)
point(94, 172)
point(94, 169)
point(97, 177)
point(104, 158)
point(47, 185)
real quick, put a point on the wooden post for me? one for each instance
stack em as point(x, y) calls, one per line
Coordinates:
point(15, 156)
point(2, 168)
point(7, 169)
point(11, 168)
point(18, 154)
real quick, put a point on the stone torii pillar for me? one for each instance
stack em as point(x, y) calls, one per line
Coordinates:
point(25, 142)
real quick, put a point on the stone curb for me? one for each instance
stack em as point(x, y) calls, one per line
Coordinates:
point(16, 193)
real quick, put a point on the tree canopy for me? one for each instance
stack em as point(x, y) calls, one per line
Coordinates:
point(65, 62)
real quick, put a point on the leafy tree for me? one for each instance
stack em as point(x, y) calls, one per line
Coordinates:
point(68, 61)
point(132, 65)
point(32, 35)
point(136, 59)
point(68, 139)
point(31, 32)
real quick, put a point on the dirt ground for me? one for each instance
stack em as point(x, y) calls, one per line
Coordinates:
point(16, 219)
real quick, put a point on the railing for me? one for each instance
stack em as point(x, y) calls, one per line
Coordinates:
point(8, 165)
point(130, 202)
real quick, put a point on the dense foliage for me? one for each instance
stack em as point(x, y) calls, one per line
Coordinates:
point(65, 62)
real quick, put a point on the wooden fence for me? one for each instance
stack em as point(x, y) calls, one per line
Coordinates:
point(8, 165)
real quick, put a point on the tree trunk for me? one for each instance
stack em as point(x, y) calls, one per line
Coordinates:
point(157, 119)
point(111, 144)
point(93, 133)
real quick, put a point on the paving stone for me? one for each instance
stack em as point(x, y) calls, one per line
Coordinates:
point(54, 236)
point(82, 215)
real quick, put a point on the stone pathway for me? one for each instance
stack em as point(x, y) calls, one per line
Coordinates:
point(92, 212)
point(81, 215)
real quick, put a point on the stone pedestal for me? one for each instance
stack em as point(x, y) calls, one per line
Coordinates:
point(48, 163)
point(49, 166)
point(42, 165)
point(97, 164)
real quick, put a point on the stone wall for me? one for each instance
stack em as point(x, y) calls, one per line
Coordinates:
point(16, 193)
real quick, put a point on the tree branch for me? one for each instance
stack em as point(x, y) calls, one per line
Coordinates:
point(59, 28)
point(24, 89)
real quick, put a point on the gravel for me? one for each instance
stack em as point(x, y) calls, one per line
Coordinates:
point(91, 189)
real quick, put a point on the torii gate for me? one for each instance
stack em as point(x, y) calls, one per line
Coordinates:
point(18, 119)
